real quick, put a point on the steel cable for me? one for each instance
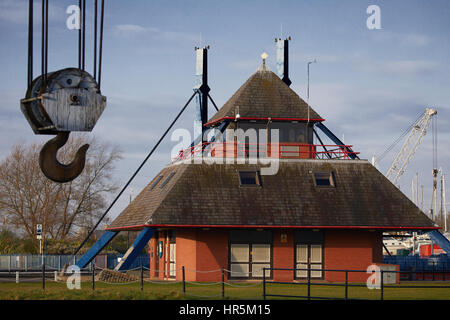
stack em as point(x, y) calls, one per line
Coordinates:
point(136, 172)
point(381, 156)
point(30, 43)
point(100, 53)
point(95, 39)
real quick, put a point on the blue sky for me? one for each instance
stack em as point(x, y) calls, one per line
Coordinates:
point(368, 84)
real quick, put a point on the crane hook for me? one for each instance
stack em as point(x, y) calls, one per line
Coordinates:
point(55, 170)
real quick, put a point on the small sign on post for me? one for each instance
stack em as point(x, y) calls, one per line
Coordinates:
point(39, 237)
point(39, 231)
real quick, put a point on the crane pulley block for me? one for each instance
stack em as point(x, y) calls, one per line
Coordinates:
point(69, 100)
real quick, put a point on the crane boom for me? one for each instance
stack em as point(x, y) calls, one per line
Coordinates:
point(415, 137)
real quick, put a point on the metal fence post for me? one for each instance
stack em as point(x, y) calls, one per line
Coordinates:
point(56, 276)
point(43, 274)
point(309, 282)
point(184, 279)
point(223, 283)
point(93, 276)
point(382, 285)
point(17, 276)
point(264, 283)
point(142, 277)
point(346, 284)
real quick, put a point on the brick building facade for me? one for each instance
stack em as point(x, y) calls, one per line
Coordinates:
point(320, 209)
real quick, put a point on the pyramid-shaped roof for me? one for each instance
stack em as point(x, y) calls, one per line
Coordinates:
point(264, 95)
point(189, 194)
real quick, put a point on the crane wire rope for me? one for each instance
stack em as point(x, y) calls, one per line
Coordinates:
point(134, 174)
point(98, 49)
point(381, 156)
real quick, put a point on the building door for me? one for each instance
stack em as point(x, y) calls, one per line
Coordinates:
point(308, 256)
point(250, 252)
point(248, 260)
point(170, 254)
point(172, 260)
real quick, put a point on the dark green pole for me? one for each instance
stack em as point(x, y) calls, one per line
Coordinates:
point(43, 273)
point(184, 280)
point(264, 283)
point(142, 277)
point(223, 283)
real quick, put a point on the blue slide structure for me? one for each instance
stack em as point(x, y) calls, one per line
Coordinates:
point(137, 246)
point(129, 256)
point(439, 239)
point(96, 248)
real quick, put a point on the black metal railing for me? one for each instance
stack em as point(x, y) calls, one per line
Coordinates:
point(309, 283)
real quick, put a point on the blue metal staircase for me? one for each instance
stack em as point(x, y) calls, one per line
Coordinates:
point(439, 239)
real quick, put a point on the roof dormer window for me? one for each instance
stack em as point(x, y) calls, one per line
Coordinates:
point(249, 178)
point(324, 179)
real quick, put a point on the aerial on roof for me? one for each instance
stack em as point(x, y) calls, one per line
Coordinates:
point(357, 195)
point(264, 95)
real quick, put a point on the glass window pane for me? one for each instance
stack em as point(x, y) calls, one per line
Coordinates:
point(257, 270)
point(324, 179)
point(290, 132)
point(301, 273)
point(318, 273)
point(240, 253)
point(167, 179)
point(316, 253)
point(248, 177)
point(172, 250)
point(261, 252)
point(173, 271)
point(155, 183)
point(302, 253)
point(239, 269)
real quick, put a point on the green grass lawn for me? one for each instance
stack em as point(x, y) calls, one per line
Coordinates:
point(132, 291)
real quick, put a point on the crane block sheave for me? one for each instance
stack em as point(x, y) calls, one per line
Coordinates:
point(415, 137)
point(65, 100)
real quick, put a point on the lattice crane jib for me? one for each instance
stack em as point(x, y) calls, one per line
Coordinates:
point(415, 137)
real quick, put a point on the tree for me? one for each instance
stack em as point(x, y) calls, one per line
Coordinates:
point(28, 198)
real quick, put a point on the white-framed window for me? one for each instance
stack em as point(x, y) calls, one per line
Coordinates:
point(248, 260)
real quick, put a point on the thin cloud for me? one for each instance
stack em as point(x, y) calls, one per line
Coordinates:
point(125, 30)
point(401, 67)
point(403, 39)
point(16, 12)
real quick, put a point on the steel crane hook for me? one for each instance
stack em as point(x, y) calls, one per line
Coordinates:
point(55, 170)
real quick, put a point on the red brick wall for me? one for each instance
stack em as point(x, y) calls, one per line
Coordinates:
point(202, 250)
point(350, 249)
point(212, 254)
point(283, 254)
point(153, 252)
point(186, 253)
point(207, 249)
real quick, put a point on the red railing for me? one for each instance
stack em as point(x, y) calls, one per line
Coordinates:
point(282, 150)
